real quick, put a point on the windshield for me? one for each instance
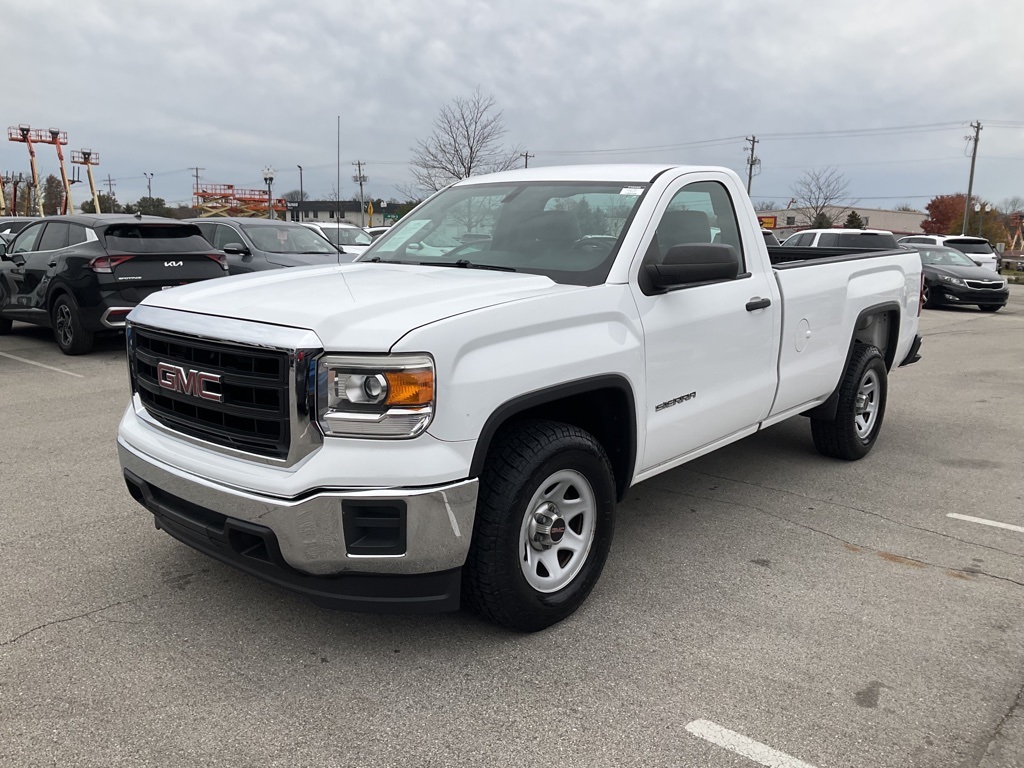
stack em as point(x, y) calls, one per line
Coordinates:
point(284, 238)
point(155, 238)
point(944, 257)
point(878, 240)
point(346, 236)
point(568, 231)
point(970, 246)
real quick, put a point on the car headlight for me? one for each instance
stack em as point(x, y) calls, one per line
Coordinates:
point(380, 397)
point(952, 280)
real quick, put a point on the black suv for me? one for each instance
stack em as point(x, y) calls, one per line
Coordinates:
point(83, 274)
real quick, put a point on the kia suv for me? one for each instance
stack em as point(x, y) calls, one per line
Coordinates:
point(81, 275)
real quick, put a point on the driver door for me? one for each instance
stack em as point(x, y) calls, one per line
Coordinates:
point(709, 348)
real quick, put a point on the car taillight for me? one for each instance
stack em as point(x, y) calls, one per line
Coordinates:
point(220, 258)
point(107, 263)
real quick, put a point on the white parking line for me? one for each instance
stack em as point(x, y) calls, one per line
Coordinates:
point(983, 521)
point(41, 365)
point(741, 745)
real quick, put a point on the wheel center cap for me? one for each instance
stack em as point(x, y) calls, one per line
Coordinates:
point(862, 403)
point(546, 527)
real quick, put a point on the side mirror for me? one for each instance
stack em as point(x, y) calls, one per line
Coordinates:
point(692, 263)
point(3, 248)
point(236, 249)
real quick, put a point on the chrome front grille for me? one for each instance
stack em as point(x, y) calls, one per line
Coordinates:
point(257, 396)
point(985, 284)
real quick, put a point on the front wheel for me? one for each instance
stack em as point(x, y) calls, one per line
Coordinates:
point(544, 525)
point(861, 407)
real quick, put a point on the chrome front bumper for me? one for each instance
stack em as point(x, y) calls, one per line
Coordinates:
point(309, 529)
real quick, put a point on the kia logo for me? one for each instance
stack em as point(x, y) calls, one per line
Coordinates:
point(195, 383)
point(174, 263)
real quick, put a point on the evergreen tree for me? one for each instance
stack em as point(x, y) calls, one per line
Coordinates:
point(854, 221)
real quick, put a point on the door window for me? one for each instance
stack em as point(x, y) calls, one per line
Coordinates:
point(54, 237)
point(700, 213)
point(77, 234)
point(26, 241)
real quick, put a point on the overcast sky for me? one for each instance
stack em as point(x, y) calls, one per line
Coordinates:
point(232, 87)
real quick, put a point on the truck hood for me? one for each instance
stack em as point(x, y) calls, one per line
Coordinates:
point(359, 307)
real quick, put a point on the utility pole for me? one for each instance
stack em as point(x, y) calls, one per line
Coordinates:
point(526, 158)
point(195, 190)
point(970, 183)
point(752, 162)
point(110, 187)
point(302, 194)
point(149, 184)
point(360, 179)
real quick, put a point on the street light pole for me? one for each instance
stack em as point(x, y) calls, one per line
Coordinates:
point(149, 184)
point(302, 195)
point(268, 176)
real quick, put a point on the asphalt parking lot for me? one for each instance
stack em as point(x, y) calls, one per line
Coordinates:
point(761, 606)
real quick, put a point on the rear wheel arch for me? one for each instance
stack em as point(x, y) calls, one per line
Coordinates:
point(603, 406)
point(877, 326)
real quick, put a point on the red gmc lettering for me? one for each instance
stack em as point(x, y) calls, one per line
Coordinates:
point(177, 379)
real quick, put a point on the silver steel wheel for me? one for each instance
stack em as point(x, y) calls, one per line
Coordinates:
point(557, 531)
point(926, 296)
point(866, 409)
point(62, 325)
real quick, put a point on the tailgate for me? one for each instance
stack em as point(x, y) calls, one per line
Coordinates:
point(146, 256)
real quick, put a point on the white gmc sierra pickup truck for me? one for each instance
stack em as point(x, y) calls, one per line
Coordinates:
point(454, 416)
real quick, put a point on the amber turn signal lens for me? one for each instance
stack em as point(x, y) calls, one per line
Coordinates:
point(410, 387)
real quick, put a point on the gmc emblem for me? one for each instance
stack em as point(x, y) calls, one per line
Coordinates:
point(195, 383)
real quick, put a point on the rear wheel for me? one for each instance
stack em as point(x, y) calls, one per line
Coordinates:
point(860, 411)
point(5, 326)
point(990, 307)
point(72, 338)
point(544, 525)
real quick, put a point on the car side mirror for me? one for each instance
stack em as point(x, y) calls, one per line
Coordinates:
point(691, 263)
point(3, 248)
point(236, 249)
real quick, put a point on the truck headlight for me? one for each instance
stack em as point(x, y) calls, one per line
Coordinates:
point(385, 397)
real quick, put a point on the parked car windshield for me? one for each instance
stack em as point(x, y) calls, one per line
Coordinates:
point(287, 239)
point(155, 238)
point(970, 246)
point(568, 231)
point(945, 257)
point(347, 236)
point(878, 240)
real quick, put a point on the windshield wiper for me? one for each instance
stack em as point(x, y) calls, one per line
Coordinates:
point(466, 264)
point(379, 260)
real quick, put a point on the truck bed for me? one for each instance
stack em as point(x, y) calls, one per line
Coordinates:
point(783, 257)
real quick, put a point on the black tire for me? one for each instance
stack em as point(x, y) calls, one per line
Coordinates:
point(855, 428)
point(5, 326)
point(990, 307)
point(927, 299)
point(68, 332)
point(522, 465)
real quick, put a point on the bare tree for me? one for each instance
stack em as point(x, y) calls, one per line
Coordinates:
point(766, 205)
point(1010, 205)
point(820, 196)
point(466, 140)
point(295, 196)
